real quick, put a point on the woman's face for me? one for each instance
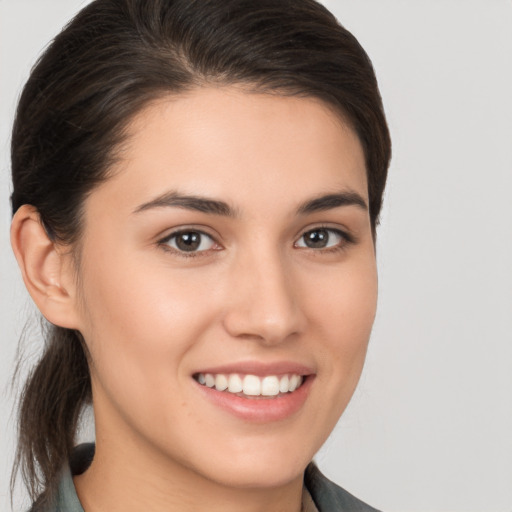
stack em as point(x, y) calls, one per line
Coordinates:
point(232, 247)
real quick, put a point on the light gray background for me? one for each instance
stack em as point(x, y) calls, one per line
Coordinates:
point(430, 426)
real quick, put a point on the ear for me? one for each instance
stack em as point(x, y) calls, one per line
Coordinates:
point(46, 267)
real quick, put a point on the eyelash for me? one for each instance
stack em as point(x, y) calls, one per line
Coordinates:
point(346, 240)
point(164, 243)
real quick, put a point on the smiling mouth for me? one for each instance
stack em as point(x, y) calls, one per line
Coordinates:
point(251, 386)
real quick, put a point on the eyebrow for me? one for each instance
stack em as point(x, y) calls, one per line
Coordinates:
point(331, 201)
point(200, 204)
point(217, 207)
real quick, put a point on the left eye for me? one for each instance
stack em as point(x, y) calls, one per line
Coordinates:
point(320, 238)
point(189, 241)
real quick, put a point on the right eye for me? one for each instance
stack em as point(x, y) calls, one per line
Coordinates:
point(189, 241)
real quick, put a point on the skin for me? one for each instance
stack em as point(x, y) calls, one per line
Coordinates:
point(152, 316)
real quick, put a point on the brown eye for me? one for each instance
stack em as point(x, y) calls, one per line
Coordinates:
point(321, 238)
point(190, 241)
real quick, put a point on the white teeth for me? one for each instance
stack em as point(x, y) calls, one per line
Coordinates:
point(221, 382)
point(284, 384)
point(251, 385)
point(294, 381)
point(270, 386)
point(235, 383)
point(209, 380)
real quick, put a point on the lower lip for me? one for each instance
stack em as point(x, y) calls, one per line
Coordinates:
point(260, 410)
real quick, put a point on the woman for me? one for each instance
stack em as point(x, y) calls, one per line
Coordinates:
point(196, 187)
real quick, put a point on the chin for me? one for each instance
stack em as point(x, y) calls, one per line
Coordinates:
point(258, 476)
point(260, 467)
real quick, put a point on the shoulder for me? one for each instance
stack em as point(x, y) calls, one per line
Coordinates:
point(328, 496)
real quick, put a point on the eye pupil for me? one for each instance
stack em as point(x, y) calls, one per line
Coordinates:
point(316, 239)
point(188, 241)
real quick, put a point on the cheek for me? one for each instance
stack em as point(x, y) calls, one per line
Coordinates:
point(345, 312)
point(341, 310)
point(140, 327)
point(345, 302)
point(128, 296)
point(138, 324)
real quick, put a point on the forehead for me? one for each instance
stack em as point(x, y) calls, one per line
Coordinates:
point(246, 148)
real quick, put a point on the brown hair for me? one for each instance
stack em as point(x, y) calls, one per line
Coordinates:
point(112, 59)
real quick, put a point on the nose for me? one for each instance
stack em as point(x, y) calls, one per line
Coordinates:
point(264, 300)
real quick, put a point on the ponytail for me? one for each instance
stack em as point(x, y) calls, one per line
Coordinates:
point(50, 404)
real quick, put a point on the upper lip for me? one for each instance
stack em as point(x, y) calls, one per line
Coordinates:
point(260, 369)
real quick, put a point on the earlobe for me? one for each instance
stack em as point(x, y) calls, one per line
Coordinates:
point(46, 268)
